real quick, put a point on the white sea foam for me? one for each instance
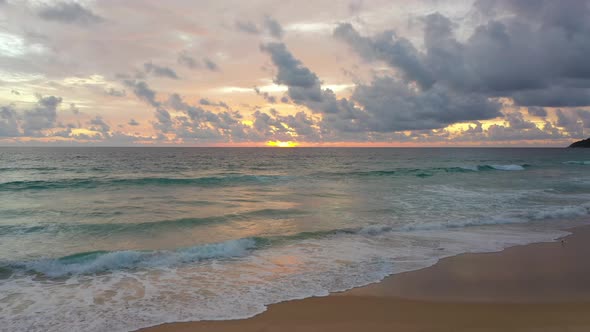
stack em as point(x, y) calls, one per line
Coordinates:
point(508, 167)
point(130, 259)
point(212, 289)
point(577, 162)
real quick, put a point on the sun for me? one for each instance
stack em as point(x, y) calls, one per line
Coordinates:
point(282, 144)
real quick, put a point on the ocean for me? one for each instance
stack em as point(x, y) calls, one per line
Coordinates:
point(115, 239)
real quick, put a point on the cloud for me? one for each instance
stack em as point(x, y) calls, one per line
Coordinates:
point(143, 91)
point(74, 109)
point(247, 27)
point(304, 87)
point(209, 64)
point(42, 116)
point(267, 96)
point(8, 122)
point(115, 93)
point(387, 104)
point(186, 60)
point(207, 102)
point(388, 47)
point(291, 72)
point(132, 122)
point(537, 111)
point(394, 106)
point(98, 124)
point(159, 71)
point(273, 26)
point(68, 12)
point(530, 52)
point(555, 96)
point(569, 121)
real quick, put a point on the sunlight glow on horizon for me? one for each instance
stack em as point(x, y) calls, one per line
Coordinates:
point(282, 144)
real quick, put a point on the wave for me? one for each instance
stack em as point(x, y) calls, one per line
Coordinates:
point(88, 183)
point(19, 169)
point(504, 167)
point(103, 228)
point(426, 172)
point(577, 162)
point(103, 261)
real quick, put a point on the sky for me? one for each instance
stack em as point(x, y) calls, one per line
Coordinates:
point(291, 72)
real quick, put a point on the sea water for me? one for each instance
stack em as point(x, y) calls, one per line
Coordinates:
point(115, 239)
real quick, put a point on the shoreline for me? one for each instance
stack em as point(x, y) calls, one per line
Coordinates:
point(526, 287)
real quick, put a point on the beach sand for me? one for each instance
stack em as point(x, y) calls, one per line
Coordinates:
point(537, 287)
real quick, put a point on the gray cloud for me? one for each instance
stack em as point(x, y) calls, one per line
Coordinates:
point(132, 122)
point(8, 122)
point(267, 96)
point(42, 116)
point(396, 51)
point(394, 106)
point(388, 103)
point(304, 87)
point(159, 71)
point(209, 64)
point(569, 121)
point(532, 56)
point(68, 12)
point(115, 93)
point(273, 26)
point(186, 60)
point(98, 124)
point(207, 102)
point(247, 27)
point(555, 96)
point(537, 111)
point(143, 92)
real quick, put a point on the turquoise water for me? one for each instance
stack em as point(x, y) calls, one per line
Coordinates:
point(115, 239)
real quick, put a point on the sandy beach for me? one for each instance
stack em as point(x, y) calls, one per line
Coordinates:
point(537, 287)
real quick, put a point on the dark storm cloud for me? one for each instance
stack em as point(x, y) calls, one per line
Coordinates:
point(159, 71)
point(556, 96)
point(537, 111)
point(570, 122)
point(388, 103)
point(291, 72)
point(68, 12)
point(584, 116)
point(274, 27)
point(304, 87)
point(396, 51)
point(247, 27)
point(394, 106)
point(529, 52)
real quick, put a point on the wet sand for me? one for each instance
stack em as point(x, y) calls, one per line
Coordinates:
point(537, 287)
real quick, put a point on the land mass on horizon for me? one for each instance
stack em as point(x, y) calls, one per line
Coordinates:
point(585, 143)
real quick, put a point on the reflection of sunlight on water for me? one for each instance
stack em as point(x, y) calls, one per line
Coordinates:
point(286, 264)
